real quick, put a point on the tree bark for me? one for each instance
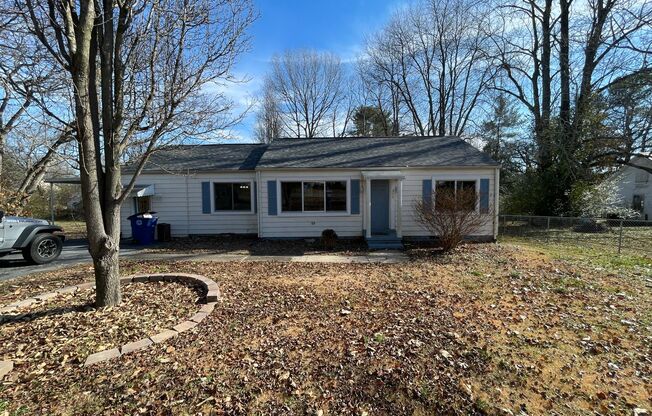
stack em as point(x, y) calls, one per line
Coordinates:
point(564, 63)
point(103, 247)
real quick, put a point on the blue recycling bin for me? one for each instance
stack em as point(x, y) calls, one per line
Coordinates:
point(143, 226)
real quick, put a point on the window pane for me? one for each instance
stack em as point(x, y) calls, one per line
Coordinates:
point(444, 194)
point(466, 195)
point(143, 204)
point(223, 193)
point(290, 196)
point(242, 196)
point(336, 196)
point(313, 196)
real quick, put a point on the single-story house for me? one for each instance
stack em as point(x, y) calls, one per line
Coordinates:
point(635, 187)
point(296, 188)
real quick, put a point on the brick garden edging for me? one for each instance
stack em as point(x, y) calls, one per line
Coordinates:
point(212, 296)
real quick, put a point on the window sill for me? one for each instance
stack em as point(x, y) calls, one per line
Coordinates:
point(232, 213)
point(315, 214)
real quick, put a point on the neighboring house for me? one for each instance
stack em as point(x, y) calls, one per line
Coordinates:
point(635, 187)
point(291, 188)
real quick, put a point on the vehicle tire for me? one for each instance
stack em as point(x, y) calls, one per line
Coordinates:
point(44, 248)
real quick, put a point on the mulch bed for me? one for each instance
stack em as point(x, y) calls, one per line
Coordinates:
point(234, 244)
point(488, 328)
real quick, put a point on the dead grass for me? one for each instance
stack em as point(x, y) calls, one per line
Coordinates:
point(488, 328)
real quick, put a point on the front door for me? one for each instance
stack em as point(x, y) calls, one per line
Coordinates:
point(380, 206)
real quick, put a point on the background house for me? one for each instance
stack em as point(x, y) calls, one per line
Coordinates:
point(291, 188)
point(635, 187)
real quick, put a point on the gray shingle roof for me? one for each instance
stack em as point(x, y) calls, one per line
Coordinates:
point(373, 152)
point(206, 157)
point(348, 152)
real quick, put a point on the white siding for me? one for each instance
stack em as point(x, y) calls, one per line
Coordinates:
point(311, 225)
point(633, 181)
point(413, 191)
point(178, 201)
point(301, 224)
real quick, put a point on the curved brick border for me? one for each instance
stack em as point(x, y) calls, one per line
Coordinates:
point(212, 296)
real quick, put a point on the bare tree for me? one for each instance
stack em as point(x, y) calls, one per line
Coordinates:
point(433, 54)
point(137, 70)
point(34, 99)
point(557, 58)
point(453, 216)
point(268, 117)
point(377, 90)
point(309, 88)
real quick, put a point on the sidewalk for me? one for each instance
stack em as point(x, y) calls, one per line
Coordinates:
point(75, 254)
point(374, 257)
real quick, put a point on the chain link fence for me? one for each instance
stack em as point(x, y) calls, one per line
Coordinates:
point(627, 236)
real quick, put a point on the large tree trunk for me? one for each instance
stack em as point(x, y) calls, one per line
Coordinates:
point(103, 246)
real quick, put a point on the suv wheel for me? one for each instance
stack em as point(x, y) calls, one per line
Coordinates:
point(43, 249)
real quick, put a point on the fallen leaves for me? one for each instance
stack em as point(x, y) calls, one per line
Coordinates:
point(489, 329)
point(48, 339)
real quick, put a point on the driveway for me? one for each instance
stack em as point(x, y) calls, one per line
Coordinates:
point(74, 252)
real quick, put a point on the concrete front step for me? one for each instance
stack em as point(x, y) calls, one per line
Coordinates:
point(385, 246)
point(386, 243)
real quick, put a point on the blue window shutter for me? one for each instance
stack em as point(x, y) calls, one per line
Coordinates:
point(484, 196)
point(271, 198)
point(255, 196)
point(427, 191)
point(206, 197)
point(355, 196)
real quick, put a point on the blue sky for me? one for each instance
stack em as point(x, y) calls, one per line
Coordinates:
point(338, 26)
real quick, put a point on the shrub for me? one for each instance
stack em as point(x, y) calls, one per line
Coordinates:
point(328, 239)
point(452, 217)
point(590, 226)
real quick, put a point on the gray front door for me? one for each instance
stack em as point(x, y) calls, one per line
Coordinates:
point(380, 206)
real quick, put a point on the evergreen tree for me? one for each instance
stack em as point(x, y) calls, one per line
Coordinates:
point(369, 121)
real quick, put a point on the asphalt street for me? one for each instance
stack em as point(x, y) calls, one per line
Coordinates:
point(74, 252)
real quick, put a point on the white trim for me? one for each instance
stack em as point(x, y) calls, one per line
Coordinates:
point(367, 207)
point(258, 203)
point(382, 174)
point(232, 211)
point(302, 213)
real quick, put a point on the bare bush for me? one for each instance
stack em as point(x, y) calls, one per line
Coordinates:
point(454, 215)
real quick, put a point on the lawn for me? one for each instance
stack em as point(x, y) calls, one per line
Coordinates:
point(491, 329)
point(72, 229)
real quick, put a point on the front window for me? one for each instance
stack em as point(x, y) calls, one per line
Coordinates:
point(313, 196)
point(232, 196)
point(451, 193)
